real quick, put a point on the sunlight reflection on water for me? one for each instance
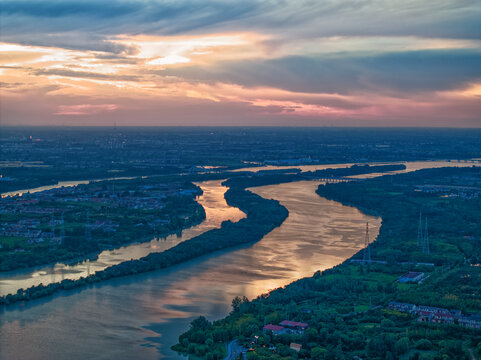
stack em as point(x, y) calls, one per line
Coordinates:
point(123, 318)
point(216, 210)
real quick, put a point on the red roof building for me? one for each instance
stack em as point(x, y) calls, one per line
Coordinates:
point(276, 329)
point(294, 324)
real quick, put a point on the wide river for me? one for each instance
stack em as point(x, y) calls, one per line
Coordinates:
point(140, 317)
point(216, 211)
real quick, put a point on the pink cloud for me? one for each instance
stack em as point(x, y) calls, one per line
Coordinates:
point(85, 109)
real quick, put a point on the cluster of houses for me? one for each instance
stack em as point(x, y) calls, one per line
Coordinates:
point(438, 315)
point(152, 199)
point(23, 228)
point(286, 327)
point(450, 191)
point(148, 197)
point(26, 228)
point(104, 225)
point(301, 161)
point(131, 202)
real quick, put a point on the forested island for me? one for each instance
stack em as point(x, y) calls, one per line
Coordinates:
point(416, 296)
point(262, 216)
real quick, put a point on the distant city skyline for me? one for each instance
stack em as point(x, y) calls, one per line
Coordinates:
point(228, 63)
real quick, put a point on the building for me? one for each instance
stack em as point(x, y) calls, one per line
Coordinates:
point(437, 310)
point(438, 315)
point(294, 327)
point(413, 277)
point(441, 318)
point(296, 347)
point(472, 321)
point(403, 307)
point(276, 329)
point(294, 324)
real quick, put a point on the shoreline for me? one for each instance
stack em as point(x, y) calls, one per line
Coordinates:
point(118, 270)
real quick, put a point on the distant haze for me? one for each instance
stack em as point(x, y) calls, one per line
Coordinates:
point(247, 63)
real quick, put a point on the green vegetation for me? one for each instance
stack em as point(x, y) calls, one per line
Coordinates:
point(53, 227)
point(346, 307)
point(262, 216)
point(28, 177)
point(108, 202)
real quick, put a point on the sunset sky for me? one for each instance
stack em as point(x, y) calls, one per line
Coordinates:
point(176, 62)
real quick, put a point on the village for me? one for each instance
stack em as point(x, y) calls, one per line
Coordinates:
point(431, 314)
point(101, 214)
point(438, 315)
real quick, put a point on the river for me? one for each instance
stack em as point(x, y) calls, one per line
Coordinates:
point(216, 211)
point(61, 184)
point(410, 166)
point(141, 316)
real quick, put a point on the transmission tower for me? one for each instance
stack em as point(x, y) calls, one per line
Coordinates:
point(88, 234)
point(62, 229)
point(52, 227)
point(420, 230)
point(367, 250)
point(88, 267)
point(426, 239)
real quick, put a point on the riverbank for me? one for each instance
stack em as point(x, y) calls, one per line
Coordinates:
point(317, 234)
point(157, 261)
point(263, 216)
point(346, 308)
point(216, 211)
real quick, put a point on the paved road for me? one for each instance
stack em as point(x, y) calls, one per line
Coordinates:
point(233, 350)
point(472, 354)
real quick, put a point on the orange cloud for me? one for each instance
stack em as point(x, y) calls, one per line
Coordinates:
point(85, 109)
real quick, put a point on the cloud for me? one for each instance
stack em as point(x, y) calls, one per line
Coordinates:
point(286, 21)
point(85, 75)
point(85, 109)
point(411, 71)
point(198, 60)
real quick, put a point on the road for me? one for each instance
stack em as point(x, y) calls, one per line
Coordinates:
point(233, 350)
point(472, 354)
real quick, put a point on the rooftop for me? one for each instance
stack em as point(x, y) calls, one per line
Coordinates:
point(273, 327)
point(293, 323)
point(412, 275)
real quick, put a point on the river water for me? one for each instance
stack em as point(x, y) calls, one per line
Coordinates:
point(61, 184)
point(216, 211)
point(141, 316)
point(410, 166)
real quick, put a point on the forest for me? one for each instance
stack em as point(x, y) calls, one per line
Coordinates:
point(346, 307)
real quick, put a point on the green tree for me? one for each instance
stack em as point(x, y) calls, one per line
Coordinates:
point(402, 345)
point(318, 353)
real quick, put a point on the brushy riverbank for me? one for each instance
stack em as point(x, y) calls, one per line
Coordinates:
point(262, 217)
point(346, 308)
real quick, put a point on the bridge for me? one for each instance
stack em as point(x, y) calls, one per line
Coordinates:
point(334, 179)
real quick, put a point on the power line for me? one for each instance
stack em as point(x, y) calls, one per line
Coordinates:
point(420, 230)
point(62, 228)
point(88, 234)
point(367, 250)
point(426, 239)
